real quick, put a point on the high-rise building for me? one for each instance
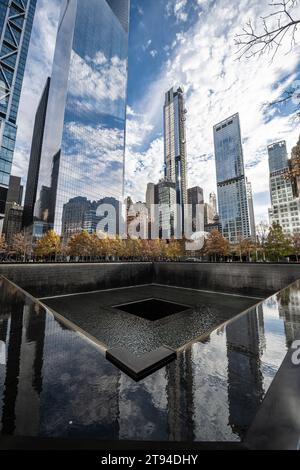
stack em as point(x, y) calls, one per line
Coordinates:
point(13, 209)
point(285, 209)
point(213, 202)
point(278, 157)
point(150, 196)
point(16, 19)
point(175, 143)
point(84, 137)
point(251, 210)
point(35, 158)
point(231, 182)
point(167, 209)
point(196, 202)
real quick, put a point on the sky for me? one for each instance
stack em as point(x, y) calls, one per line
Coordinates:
point(188, 43)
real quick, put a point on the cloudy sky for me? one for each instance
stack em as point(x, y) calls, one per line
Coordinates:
point(188, 43)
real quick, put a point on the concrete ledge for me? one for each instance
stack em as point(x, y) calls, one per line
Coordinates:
point(140, 367)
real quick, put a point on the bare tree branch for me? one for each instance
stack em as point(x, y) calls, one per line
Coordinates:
point(252, 44)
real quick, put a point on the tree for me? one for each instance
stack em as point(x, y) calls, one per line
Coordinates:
point(296, 245)
point(173, 249)
point(276, 27)
point(22, 244)
point(80, 245)
point(216, 245)
point(277, 246)
point(245, 247)
point(262, 231)
point(48, 245)
point(3, 245)
point(294, 171)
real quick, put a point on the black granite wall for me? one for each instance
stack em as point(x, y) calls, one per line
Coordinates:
point(246, 279)
point(43, 280)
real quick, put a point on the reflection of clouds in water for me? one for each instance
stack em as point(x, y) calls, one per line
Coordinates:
point(98, 79)
point(2, 353)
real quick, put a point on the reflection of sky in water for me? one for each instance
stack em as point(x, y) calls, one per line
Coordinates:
point(87, 105)
point(55, 383)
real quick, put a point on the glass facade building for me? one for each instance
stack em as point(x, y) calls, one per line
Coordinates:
point(175, 143)
point(278, 156)
point(285, 209)
point(16, 19)
point(84, 136)
point(231, 182)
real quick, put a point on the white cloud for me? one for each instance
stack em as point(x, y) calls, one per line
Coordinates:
point(153, 53)
point(217, 85)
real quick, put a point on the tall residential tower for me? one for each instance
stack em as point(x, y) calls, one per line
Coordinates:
point(175, 143)
point(16, 19)
point(84, 137)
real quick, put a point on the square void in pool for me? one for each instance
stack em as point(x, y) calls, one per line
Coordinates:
point(152, 309)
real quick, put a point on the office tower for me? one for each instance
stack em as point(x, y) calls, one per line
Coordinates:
point(35, 158)
point(150, 196)
point(13, 209)
point(175, 143)
point(13, 222)
point(209, 214)
point(196, 202)
point(213, 202)
point(251, 210)
point(285, 209)
point(138, 219)
point(84, 137)
point(15, 190)
point(278, 157)
point(167, 209)
point(16, 18)
point(232, 194)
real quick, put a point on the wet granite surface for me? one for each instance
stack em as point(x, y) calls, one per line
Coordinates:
point(55, 383)
point(95, 313)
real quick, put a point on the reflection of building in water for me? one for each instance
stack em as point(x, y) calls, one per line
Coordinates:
point(289, 311)
point(245, 381)
point(181, 398)
point(81, 214)
point(83, 143)
point(23, 334)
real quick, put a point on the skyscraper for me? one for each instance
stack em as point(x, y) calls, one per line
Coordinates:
point(285, 209)
point(213, 202)
point(16, 18)
point(175, 143)
point(251, 210)
point(35, 157)
point(83, 145)
point(196, 206)
point(232, 194)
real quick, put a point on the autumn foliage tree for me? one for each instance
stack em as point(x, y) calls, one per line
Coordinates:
point(3, 245)
point(49, 245)
point(216, 245)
